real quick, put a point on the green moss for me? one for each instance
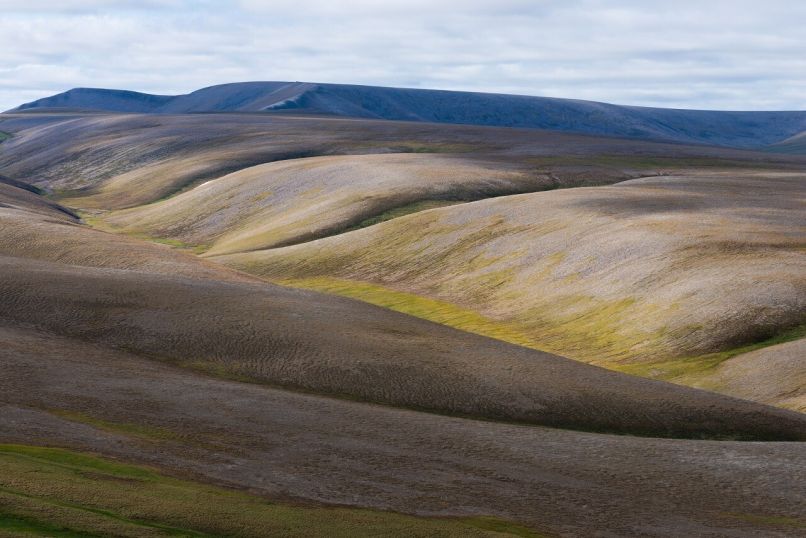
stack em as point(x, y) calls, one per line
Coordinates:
point(31, 526)
point(503, 527)
point(776, 521)
point(686, 370)
point(4, 136)
point(55, 492)
point(129, 429)
point(96, 220)
point(416, 305)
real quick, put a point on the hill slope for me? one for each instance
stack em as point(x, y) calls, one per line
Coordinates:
point(119, 293)
point(795, 145)
point(105, 162)
point(736, 129)
point(297, 200)
point(643, 276)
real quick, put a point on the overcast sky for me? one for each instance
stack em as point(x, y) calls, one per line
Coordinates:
point(740, 55)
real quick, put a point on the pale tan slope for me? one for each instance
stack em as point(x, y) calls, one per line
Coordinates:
point(775, 375)
point(301, 199)
point(627, 276)
point(71, 281)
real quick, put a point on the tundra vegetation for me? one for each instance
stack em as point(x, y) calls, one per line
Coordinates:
point(279, 323)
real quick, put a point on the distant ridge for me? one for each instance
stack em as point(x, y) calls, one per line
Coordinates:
point(732, 129)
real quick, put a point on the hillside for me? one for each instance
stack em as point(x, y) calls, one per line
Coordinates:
point(189, 398)
point(118, 161)
point(733, 129)
point(225, 184)
point(795, 145)
point(67, 279)
point(651, 276)
point(298, 200)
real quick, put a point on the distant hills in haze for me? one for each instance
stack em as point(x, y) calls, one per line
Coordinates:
point(722, 128)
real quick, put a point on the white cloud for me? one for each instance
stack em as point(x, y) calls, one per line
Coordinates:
point(696, 54)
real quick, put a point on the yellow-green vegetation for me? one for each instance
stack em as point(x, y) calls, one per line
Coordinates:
point(773, 521)
point(689, 369)
point(581, 336)
point(647, 277)
point(415, 305)
point(298, 200)
point(61, 493)
point(95, 220)
point(150, 433)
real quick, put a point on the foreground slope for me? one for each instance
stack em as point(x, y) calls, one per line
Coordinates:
point(289, 446)
point(737, 129)
point(73, 281)
point(637, 276)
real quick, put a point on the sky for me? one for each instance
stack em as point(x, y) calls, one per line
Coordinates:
point(707, 54)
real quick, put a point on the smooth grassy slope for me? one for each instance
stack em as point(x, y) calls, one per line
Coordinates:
point(302, 199)
point(61, 493)
point(77, 282)
point(629, 276)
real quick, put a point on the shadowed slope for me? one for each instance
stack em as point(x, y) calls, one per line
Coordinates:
point(170, 309)
point(795, 145)
point(738, 129)
point(627, 276)
point(287, 445)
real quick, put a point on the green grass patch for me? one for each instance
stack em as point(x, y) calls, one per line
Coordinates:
point(133, 430)
point(776, 521)
point(31, 526)
point(687, 369)
point(55, 492)
point(94, 220)
point(4, 136)
point(416, 305)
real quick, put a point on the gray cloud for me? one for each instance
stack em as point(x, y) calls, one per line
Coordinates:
point(691, 54)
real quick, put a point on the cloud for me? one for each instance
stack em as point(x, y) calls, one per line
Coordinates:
point(691, 54)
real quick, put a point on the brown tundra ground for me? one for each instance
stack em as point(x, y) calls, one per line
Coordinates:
point(270, 406)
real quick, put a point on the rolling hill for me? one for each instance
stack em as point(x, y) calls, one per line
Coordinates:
point(733, 129)
point(64, 278)
point(331, 413)
point(662, 277)
point(238, 183)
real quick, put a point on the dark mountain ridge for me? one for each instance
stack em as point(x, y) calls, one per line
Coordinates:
point(722, 128)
